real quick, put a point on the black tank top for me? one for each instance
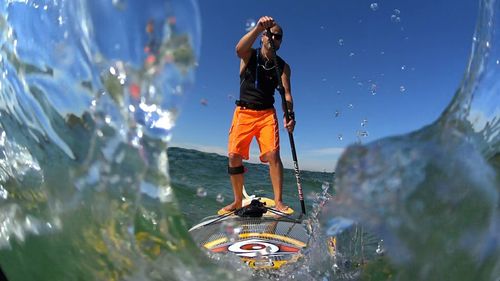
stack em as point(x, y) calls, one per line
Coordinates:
point(259, 91)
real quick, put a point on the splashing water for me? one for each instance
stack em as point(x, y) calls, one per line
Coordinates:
point(433, 195)
point(89, 94)
point(90, 91)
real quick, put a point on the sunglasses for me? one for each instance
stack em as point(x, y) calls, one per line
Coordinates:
point(276, 36)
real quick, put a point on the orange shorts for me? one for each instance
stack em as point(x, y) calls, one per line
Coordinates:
point(248, 123)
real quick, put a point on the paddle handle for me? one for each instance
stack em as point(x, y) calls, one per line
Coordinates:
point(281, 90)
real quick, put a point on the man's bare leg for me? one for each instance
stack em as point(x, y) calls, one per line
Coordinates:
point(276, 174)
point(237, 181)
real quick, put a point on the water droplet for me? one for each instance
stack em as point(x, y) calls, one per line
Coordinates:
point(395, 18)
point(403, 67)
point(4, 194)
point(268, 250)
point(374, 6)
point(364, 122)
point(323, 80)
point(382, 52)
point(250, 24)
point(230, 229)
point(351, 54)
point(373, 89)
point(338, 225)
point(234, 233)
point(351, 106)
point(339, 92)
point(337, 113)
point(402, 89)
point(237, 230)
point(362, 134)
point(201, 192)
point(204, 102)
point(336, 268)
point(325, 186)
point(340, 137)
point(322, 27)
point(341, 42)
point(119, 4)
point(311, 196)
point(219, 198)
point(397, 12)
point(380, 248)
point(498, 61)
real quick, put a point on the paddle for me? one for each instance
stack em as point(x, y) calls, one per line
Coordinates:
point(281, 90)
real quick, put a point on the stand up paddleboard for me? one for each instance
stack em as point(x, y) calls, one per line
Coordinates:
point(262, 237)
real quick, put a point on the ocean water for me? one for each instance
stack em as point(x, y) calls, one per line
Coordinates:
point(202, 186)
point(89, 189)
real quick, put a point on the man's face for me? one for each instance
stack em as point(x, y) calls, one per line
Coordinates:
point(276, 35)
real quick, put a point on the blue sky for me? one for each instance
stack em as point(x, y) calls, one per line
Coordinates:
point(361, 71)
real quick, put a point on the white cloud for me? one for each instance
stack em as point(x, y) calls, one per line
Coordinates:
point(335, 151)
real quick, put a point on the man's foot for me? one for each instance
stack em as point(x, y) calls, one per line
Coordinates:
point(282, 207)
point(229, 208)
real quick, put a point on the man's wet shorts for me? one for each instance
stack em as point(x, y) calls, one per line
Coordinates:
point(248, 123)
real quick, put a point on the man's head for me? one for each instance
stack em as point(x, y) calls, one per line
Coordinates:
point(276, 35)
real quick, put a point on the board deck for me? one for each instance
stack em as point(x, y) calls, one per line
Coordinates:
point(266, 242)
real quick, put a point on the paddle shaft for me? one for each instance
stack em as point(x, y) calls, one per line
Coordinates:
point(281, 90)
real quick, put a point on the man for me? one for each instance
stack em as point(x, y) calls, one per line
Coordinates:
point(255, 115)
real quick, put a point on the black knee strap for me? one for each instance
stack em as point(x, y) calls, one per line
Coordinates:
point(236, 170)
